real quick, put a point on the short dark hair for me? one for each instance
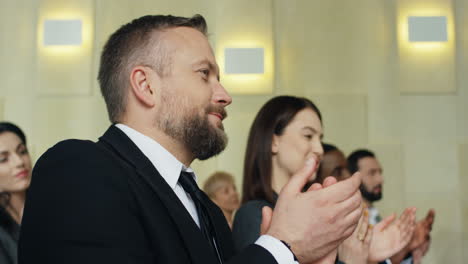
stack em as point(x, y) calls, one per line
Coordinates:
point(10, 127)
point(355, 156)
point(271, 120)
point(319, 179)
point(130, 46)
point(328, 147)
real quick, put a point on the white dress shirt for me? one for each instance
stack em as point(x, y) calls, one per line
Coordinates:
point(170, 168)
point(373, 220)
point(373, 215)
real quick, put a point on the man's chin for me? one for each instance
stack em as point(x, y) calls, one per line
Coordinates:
point(216, 124)
point(219, 128)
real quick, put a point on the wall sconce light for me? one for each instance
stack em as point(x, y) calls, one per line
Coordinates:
point(62, 32)
point(244, 61)
point(427, 28)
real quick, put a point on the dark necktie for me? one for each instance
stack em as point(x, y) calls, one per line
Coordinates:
point(190, 186)
point(378, 218)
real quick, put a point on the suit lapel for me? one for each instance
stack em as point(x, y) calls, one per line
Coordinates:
point(191, 235)
point(221, 228)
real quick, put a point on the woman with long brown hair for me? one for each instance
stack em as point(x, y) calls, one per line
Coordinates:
point(286, 133)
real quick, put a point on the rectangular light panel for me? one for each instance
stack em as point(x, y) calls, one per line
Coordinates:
point(62, 32)
point(244, 61)
point(427, 28)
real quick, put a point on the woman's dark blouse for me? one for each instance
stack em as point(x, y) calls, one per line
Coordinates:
point(246, 225)
point(9, 235)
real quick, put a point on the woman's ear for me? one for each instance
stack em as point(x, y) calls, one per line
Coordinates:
point(144, 81)
point(275, 144)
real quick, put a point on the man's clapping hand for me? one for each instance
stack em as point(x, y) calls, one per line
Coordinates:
point(314, 222)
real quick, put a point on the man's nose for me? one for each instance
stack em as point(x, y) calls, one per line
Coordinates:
point(221, 96)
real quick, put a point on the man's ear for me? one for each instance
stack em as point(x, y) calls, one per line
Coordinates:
point(144, 81)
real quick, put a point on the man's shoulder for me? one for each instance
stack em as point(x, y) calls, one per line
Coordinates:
point(72, 163)
point(74, 152)
point(74, 147)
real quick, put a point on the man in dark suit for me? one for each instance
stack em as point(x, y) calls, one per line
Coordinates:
point(132, 197)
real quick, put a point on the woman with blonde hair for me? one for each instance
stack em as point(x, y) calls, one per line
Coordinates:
point(221, 189)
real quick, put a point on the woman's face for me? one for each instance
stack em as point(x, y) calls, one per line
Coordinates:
point(300, 141)
point(15, 164)
point(227, 197)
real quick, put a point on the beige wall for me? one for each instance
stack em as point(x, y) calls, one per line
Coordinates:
point(347, 56)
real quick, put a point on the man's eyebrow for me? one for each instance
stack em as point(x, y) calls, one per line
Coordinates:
point(206, 62)
point(211, 66)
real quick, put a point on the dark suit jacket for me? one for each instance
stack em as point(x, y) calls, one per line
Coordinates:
point(105, 202)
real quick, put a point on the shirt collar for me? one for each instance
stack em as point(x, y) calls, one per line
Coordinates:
point(373, 215)
point(165, 163)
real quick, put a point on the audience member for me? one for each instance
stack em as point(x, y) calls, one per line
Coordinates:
point(132, 197)
point(366, 162)
point(354, 249)
point(286, 132)
point(15, 176)
point(221, 189)
point(333, 163)
point(388, 237)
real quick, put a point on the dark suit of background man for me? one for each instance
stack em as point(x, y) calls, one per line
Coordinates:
point(122, 200)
